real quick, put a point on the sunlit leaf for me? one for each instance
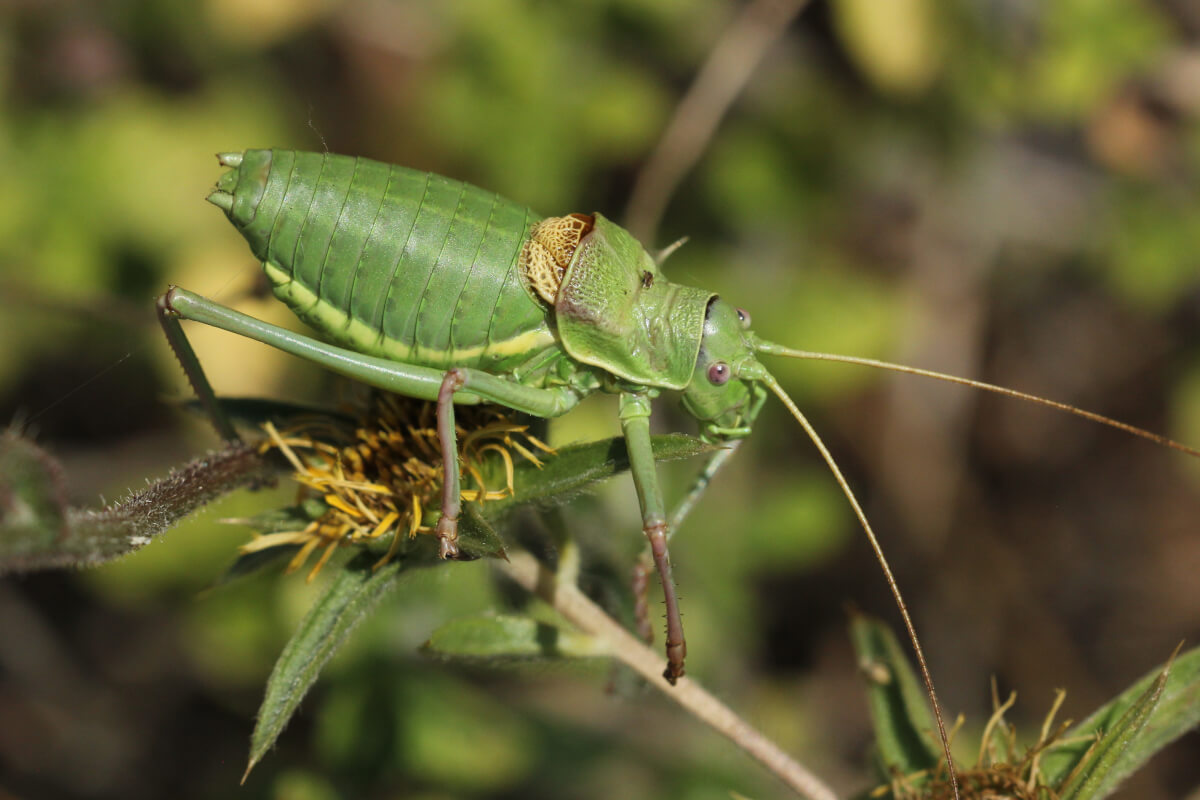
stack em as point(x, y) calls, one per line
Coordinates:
point(1139, 722)
point(904, 726)
point(578, 466)
point(476, 536)
point(492, 638)
point(1093, 774)
point(347, 600)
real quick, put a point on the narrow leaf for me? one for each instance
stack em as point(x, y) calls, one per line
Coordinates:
point(278, 520)
point(288, 518)
point(577, 466)
point(476, 537)
point(252, 412)
point(347, 600)
point(254, 561)
point(510, 637)
point(1092, 774)
point(1159, 708)
point(903, 723)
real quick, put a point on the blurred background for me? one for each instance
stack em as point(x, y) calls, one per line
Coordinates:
point(1003, 189)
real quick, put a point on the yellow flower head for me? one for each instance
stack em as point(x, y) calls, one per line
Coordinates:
point(378, 475)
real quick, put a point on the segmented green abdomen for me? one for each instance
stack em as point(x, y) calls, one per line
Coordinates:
point(387, 260)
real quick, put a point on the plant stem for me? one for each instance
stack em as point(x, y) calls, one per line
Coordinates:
point(718, 83)
point(569, 601)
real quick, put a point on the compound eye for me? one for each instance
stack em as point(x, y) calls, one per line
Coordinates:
point(743, 317)
point(719, 373)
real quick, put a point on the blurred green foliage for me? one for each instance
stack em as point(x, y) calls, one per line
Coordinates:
point(1089, 760)
point(1004, 188)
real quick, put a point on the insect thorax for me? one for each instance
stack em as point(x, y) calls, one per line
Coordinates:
point(548, 251)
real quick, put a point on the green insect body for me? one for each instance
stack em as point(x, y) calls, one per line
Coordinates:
point(430, 287)
point(414, 267)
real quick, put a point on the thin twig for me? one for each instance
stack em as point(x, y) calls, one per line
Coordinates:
point(569, 601)
point(720, 80)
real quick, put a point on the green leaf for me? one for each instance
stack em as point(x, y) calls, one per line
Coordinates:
point(510, 637)
point(33, 512)
point(252, 412)
point(476, 537)
point(255, 560)
point(277, 520)
point(347, 600)
point(1090, 777)
point(904, 726)
point(1163, 705)
point(288, 518)
point(578, 466)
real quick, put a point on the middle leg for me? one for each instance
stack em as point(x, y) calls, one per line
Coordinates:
point(635, 423)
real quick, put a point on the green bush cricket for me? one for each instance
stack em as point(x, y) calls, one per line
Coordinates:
point(435, 289)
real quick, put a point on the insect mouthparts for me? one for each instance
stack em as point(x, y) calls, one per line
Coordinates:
point(222, 200)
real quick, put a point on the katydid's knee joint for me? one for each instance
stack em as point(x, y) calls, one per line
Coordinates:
point(165, 307)
point(656, 532)
point(454, 380)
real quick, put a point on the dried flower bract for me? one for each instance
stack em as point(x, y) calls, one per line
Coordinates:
point(1001, 770)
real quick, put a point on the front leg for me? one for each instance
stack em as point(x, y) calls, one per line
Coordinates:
point(635, 423)
point(641, 570)
point(194, 371)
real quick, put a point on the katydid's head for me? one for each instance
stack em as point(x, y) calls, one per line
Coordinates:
point(722, 393)
point(729, 384)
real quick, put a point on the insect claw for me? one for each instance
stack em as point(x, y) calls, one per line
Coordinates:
point(674, 670)
point(447, 536)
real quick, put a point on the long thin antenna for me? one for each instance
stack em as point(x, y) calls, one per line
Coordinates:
point(779, 350)
point(774, 386)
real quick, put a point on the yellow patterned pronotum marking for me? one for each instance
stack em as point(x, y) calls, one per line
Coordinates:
point(548, 251)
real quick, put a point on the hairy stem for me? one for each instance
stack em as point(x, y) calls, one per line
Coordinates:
point(85, 537)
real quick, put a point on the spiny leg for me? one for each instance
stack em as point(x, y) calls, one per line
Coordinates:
point(186, 356)
point(447, 527)
point(635, 423)
point(641, 570)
